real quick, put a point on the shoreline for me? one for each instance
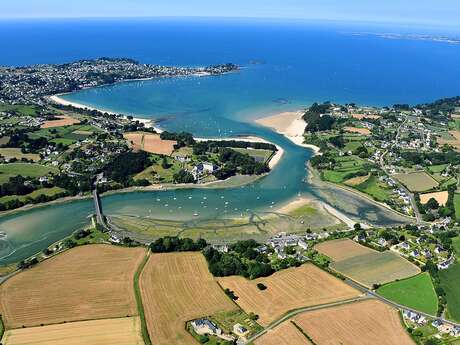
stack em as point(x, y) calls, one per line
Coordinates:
point(291, 125)
point(218, 184)
point(149, 123)
point(57, 99)
point(315, 180)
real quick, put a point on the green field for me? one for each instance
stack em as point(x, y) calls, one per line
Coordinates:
point(24, 169)
point(50, 192)
point(28, 110)
point(352, 146)
point(416, 292)
point(437, 168)
point(457, 205)
point(66, 135)
point(375, 189)
point(454, 124)
point(376, 268)
point(450, 281)
point(156, 173)
point(258, 154)
point(346, 167)
point(14, 152)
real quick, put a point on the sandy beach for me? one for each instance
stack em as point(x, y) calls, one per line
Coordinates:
point(147, 123)
point(291, 125)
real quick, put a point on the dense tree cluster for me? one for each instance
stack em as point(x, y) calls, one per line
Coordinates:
point(431, 158)
point(213, 146)
point(243, 259)
point(176, 244)
point(126, 164)
point(21, 140)
point(182, 138)
point(235, 161)
point(316, 118)
point(16, 185)
point(183, 176)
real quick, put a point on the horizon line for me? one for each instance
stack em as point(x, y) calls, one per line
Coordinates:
point(258, 18)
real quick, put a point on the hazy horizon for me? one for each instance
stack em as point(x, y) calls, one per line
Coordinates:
point(424, 12)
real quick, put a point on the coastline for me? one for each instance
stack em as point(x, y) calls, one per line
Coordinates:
point(149, 123)
point(59, 100)
point(291, 125)
point(315, 180)
point(227, 183)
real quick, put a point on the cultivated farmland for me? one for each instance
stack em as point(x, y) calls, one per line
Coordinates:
point(176, 288)
point(440, 197)
point(365, 265)
point(358, 323)
point(25, 170)
point(120, 331)
point(288, 289)
point(87, 282)
point(62, 120)
point(417, 181)
point(286, 333)
point(15, 152)
point(359, 130)
point(452, 138)
point(150, 142)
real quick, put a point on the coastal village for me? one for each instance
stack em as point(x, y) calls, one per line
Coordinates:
point(32, 84)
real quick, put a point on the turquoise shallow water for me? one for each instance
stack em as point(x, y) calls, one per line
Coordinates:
point(299, 64)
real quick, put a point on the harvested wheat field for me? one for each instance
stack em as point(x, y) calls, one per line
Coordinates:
point(440, 197)
point(87, 282)
point(454, 140)
point(64, 120)
point(359, 130)
point(284, 334)
point(342, 249)
point(288, 289)
point(358, 323)
point(364, 265)
point(150, 142)
point(354, 181)
point(120, 331)
point(175, 288)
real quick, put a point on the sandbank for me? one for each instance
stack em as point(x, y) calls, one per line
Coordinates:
point(291, 125)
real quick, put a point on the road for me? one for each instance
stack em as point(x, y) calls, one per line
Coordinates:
point(417, 214)
point(371, 293)
point(98, 207)
point(367, 295)
point(303, 310)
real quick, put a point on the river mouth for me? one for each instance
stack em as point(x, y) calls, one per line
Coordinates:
point(302, 64)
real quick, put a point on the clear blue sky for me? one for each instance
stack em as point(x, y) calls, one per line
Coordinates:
point(430, 12)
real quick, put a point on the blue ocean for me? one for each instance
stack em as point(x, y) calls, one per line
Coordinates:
point(284, 66)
